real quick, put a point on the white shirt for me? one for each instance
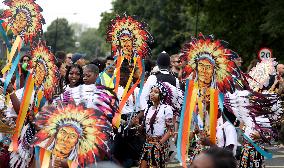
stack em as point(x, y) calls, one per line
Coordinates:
point(165, 112)
point(130, 104)
point(230, 133)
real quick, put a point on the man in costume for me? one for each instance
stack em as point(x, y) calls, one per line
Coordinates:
point(212, 73)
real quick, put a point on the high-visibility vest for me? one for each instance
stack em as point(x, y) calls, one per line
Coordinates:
point(106, 80)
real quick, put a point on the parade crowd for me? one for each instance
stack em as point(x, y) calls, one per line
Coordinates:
point(197, 107)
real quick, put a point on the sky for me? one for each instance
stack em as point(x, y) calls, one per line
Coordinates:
point(86, 12)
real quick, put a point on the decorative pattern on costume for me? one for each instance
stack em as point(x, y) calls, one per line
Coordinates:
point(171, 96)
point(91, 96)
point(24, 18)
point(129, 26)
point(45, 72)
point(74, 133)
point(261, 73)
point(216, 51)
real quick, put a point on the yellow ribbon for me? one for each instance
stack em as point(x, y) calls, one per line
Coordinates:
point(16, 45)
point(46, 159)
point(130, 78)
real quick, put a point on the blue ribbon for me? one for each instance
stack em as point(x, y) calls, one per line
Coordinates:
point(11, 72)
point(181, 122)
point(259, 149)
point(17, 79)
point(4, 35)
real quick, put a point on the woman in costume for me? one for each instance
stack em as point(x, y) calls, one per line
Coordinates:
point(158, 124)
point(74, 76)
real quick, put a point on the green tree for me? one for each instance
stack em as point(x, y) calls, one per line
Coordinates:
point(60, 36)
point(167, 20)
point(91, 43)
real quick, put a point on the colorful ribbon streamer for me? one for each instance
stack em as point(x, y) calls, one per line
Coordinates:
point(25, 103)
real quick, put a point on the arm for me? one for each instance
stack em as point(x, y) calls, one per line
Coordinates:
point(14, 99)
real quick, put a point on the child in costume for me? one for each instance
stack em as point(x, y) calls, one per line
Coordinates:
point(158, 120)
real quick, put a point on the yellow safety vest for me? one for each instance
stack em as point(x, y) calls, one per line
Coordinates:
point(106, 80)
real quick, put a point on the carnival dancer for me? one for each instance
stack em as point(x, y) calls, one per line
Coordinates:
point(38, 91)
point(210, 69)
point(128, 142)
point(90, 74)
point(130, 41)
point(158, 123)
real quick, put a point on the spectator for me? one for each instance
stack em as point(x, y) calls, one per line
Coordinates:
point(79, 59)
point(60, 56)
point(68, 59)
point(163, 75)
point(176, 65)
point(100, 64)
point(106, 78)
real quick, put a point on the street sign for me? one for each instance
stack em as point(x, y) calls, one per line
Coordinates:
point(264, 53)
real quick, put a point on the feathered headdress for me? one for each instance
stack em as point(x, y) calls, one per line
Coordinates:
point(136, 30)
point(91, 126)
point(45, 72)
point(216, 51)
point(261, 73)
point(170, 95)
point(24, 18)
point(129, 40)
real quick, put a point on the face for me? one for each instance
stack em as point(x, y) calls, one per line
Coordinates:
point(89, 77)
point(25, 60)
point(176, 62)
point(63, 70)
point(154, 94)
point(205, 71)
point(74, 76)
point(280, 69)
point(66, 140)
point(20, 22)
point(110, 65)
point(40, 73)
point(68, 60)
point(126, 46)
point(239, 61)
point(202, 161)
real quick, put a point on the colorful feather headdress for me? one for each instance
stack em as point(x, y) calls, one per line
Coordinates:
point(261, 73)
point(216, 51)
point(170, 95)
point(45, 72)
point(219, 60)
point(84, 143)
point(24, 18)
point(129, 40)
point(131, 27)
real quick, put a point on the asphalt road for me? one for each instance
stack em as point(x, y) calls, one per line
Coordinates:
point(276, 162)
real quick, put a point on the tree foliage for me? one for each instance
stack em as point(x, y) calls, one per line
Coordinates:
point(60, 36)
point(246, 25)
point(91, 43)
